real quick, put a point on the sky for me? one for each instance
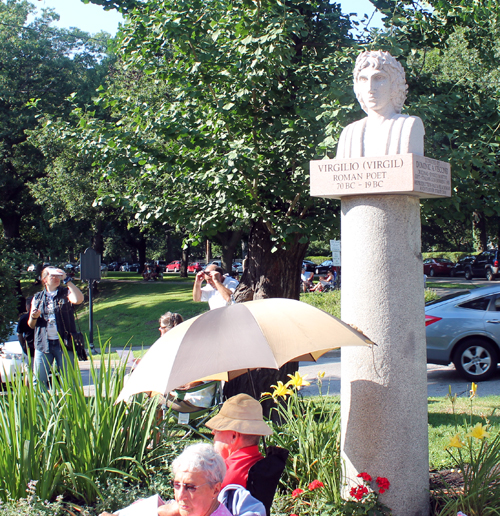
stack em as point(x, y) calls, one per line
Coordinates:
point(93, 18)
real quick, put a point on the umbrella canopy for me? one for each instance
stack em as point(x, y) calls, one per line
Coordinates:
point(226, 342)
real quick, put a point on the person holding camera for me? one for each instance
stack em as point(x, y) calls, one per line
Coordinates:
point(52, 316)
point(218, 291)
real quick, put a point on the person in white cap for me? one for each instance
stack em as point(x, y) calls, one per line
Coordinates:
point(52, 318)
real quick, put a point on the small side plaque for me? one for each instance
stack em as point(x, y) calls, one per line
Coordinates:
point(406, 174)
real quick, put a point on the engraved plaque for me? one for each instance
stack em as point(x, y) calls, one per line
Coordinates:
point(408, 174)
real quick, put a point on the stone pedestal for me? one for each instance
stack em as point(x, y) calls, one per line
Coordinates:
point(384, 389)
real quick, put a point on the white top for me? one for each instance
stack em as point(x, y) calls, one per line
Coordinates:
point(213, 296)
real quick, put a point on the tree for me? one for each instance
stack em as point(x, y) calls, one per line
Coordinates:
point(247, 87)
point(40, 66)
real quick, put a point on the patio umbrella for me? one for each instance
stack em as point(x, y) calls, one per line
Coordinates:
point(226, 342)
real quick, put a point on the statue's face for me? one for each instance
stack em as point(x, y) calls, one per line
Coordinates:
point(374, 87)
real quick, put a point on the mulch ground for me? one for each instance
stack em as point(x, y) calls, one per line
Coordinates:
point(444, 480)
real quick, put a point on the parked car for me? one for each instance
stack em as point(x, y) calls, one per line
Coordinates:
point(114, 266)
point(309, 265)
point(196, 267)
point(484, 265)
point(464, 328)
point(438, 267)
point(125, 267)
point(238, 267)
point(12, 358)
point(135, 267)
point(174, 266)
point(460, 266)
point(104, 267)
point(324, 267)
point(162, 264)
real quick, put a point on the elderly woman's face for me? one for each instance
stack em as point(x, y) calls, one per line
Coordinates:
point(194, 495)
point(375, 89)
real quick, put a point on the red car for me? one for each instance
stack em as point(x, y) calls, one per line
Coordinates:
point(196, 266)
point(438, 267)
point(174, 266)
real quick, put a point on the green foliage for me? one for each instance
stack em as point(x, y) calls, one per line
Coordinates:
point(310, 429)
point(9, 301)
point(475, 452)
point(246, 88)
point(66, 441)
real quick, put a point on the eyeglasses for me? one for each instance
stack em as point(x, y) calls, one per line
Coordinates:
point(190, 488)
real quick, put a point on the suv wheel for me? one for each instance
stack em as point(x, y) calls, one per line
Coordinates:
point(476, 359)
point(489, 275)
point(468, 273)
point(431, 273)
point(176, 270)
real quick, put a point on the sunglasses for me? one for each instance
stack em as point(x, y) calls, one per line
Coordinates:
point(190, 488)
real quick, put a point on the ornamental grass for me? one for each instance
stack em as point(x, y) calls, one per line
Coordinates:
point(61, 442)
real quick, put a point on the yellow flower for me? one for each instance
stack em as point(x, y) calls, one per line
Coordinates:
point(297, 381)
point(478, 432)
point(281, 390)
point(321, 374)
point(455, 442)
point(473, 390)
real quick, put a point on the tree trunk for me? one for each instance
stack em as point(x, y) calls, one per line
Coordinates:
point(267, 275)
point(11, 223)
point(479, 231)
point(208, 253)
point(97, 239)
point(184, 261)
point(229, 241)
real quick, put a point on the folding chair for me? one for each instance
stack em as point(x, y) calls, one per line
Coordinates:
point(194, 406)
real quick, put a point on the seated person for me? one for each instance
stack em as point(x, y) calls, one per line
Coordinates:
point(198, 474)
point(307, 279)
point(237, 430)
point(323, 281)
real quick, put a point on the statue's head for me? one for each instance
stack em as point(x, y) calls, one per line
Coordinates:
point(384, 62)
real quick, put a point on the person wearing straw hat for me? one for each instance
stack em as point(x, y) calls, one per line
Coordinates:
point(237, 430)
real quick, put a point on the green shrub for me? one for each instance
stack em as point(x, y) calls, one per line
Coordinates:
point(67, 442)
point(318, 259)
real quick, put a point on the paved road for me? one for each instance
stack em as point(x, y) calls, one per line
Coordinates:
point(439, 378)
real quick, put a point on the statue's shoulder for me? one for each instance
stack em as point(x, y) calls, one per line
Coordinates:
point(411, 122)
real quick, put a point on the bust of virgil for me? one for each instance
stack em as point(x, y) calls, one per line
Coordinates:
point(380, 87)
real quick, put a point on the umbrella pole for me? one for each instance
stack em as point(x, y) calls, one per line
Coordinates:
point(255, 396)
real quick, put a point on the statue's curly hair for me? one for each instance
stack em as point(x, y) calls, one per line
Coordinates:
point(383, 61)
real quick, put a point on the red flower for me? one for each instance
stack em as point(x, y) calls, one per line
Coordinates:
point(293, 515)
point(315, 484)
point(383, 484)
point(365, 477)
point(297, 492)
point(358, 492)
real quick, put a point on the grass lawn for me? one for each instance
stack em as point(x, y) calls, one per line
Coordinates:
point(447, 419)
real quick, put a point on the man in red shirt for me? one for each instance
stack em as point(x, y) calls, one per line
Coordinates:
point(237, 429)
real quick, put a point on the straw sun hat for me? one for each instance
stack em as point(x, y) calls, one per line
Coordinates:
point(242, 414)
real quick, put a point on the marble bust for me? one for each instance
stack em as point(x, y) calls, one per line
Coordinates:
point(380, 87)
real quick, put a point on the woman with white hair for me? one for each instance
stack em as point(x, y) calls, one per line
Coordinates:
point(380, 87)
point(198, 474)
